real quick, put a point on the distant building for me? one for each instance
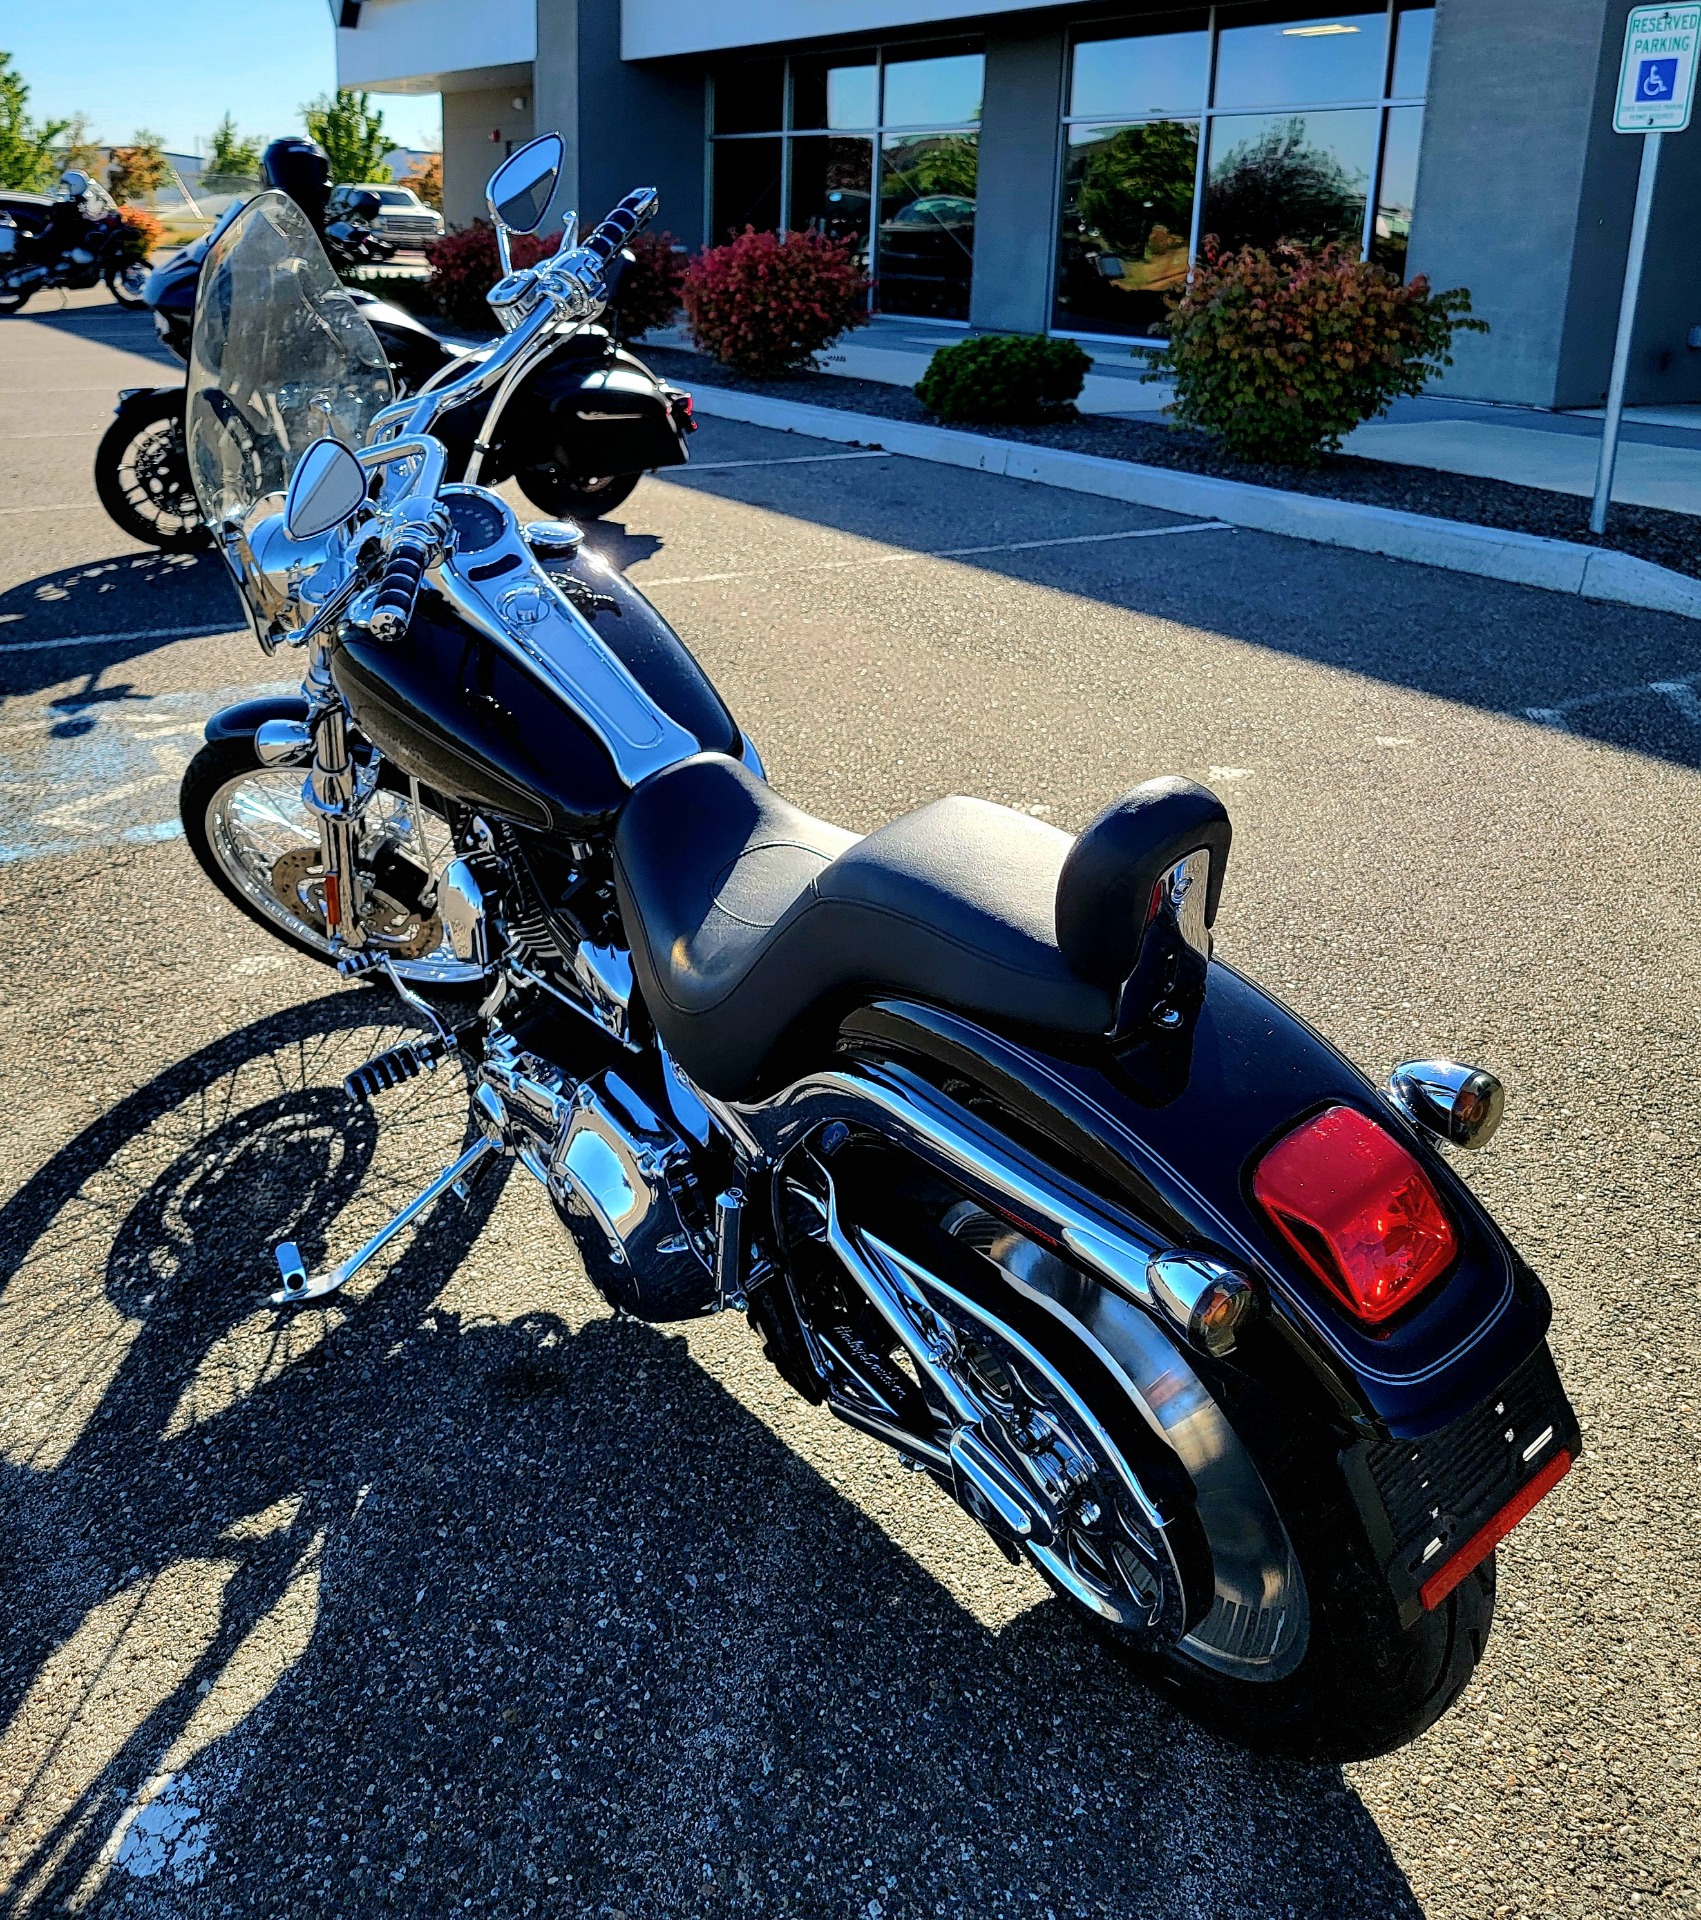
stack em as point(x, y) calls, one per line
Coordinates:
point(1054, 167)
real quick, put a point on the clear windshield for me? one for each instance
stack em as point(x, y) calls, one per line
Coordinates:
point(281, 356)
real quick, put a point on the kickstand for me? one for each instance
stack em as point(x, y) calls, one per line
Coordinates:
point(299, 1285)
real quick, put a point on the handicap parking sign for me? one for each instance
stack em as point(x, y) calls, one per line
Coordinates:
point(1656, 81)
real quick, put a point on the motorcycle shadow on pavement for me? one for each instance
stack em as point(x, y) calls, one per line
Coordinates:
point(129, 599)
point(103, 321)
point(463, 1593)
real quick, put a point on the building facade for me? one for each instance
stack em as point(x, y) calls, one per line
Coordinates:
point(1055, 168)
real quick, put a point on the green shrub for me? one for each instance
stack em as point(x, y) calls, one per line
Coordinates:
point(1277, 354)
point(1002, 376)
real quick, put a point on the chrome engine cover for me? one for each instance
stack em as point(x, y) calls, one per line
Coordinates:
point(616, 1173)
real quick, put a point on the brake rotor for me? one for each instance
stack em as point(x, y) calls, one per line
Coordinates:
point(298, 883)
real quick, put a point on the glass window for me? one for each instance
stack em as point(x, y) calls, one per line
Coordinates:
point(1141, 78)
point(746, 188)
point(1397, 191)
point(833, 93)
point(1414, 31)
point(927, 224)
point(832, 186)
point(1127, 213)
point(1290, 176)
point(750, 97)
point(942, 92)
point(1304, 62)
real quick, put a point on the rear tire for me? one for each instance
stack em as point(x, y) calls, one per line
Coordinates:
point(575, 496)
point(142, 476)
point(1365, 1684)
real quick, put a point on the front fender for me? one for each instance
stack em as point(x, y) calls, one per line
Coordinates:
point(248, 716)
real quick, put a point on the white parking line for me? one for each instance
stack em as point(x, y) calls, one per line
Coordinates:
point(1681, 693)
point(787, 460)
point(941, 553)
point(202, 632)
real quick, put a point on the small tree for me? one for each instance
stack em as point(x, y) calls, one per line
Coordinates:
point(351, 130)
point(230, 156)
point(426, 178)
point(1278, 354)
point(26, 156)
point(139, 170)
point(85, 155)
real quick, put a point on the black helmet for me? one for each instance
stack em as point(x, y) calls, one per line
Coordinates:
point(298, 166)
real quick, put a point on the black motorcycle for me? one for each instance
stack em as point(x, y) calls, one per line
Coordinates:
point(591, 421)
point(1004, 1167)
point(73, 237)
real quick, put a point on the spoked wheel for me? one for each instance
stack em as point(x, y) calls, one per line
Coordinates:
point(574, 496)
point(125, 280)
point(259, 843)
point(142, 476)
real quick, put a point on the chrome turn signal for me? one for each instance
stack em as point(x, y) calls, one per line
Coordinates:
point(1206, 1301)
point(1459, 1104)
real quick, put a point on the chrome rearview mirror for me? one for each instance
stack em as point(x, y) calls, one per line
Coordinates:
point(1452, 1102)
point(326, 488)
point(521, 189)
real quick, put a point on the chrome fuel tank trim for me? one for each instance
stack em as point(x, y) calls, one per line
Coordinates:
point(503, 592)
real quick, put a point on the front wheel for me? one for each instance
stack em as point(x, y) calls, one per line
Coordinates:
point(573, 496)
point(12, 299)
point(125, 280)
point(258, 843)
point(142, 475)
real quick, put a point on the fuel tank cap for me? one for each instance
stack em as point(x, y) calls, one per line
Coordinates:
point(553, 539)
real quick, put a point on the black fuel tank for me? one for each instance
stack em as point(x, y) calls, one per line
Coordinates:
point(462, 714)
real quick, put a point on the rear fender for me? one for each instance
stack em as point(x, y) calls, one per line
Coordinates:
point(1184, 1169)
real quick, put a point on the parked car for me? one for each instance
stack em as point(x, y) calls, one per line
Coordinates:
point(402, 216)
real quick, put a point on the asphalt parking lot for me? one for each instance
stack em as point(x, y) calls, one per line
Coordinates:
point(461, 1594)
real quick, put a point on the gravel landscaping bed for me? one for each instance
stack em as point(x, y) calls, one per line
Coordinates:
point(1650, 533)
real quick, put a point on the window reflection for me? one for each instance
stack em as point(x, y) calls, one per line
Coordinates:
point(750, 97)
point(927, 224)
point(1397, 191)
point(832, 184)
point(1414, 33)
point(1304, 62)
point(1127, 212)
point(833, 93)
point(1290, 176)
point(941, 92)
point(746, 187)
point(1150, 75)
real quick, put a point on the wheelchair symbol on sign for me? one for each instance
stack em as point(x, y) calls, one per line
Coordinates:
point(1656, 80)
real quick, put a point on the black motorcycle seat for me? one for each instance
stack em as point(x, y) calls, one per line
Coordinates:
point(746, 914)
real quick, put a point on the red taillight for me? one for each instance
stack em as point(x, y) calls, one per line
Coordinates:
point(1358, 1210)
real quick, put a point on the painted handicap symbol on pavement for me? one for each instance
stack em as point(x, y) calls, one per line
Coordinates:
point(1656, 79)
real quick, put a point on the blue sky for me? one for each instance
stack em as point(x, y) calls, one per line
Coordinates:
point(176, 66)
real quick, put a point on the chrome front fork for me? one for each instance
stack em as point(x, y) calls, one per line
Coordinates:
point(336, 793)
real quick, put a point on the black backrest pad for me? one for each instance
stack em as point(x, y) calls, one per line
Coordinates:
point(1104, 892)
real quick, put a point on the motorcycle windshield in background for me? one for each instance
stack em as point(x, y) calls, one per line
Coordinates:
point(281, 357)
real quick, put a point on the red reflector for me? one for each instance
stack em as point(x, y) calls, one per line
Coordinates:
point(1483, 1542)
point(1358, 1210)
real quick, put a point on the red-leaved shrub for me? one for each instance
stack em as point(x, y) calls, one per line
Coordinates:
point(1278, 354)
point(766, 302)
point(143, 231)
point(651, 287)
point(464, 267)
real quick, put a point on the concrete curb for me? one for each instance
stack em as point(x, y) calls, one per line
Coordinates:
point(1561, 566)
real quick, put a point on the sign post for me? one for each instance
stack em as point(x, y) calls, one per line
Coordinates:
point(1656, 88)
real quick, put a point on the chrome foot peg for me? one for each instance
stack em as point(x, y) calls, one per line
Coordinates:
point(401, 1063)
point(299, 1285)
